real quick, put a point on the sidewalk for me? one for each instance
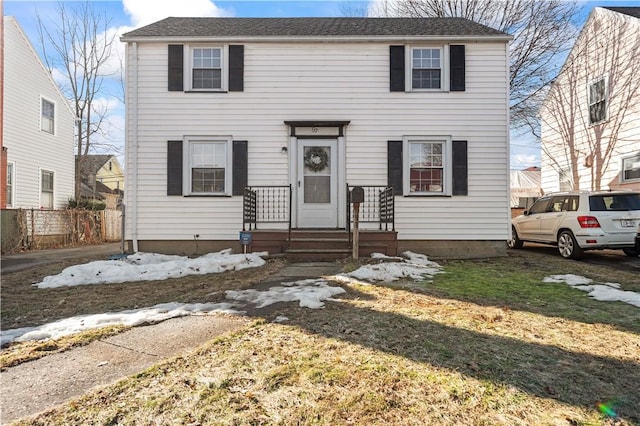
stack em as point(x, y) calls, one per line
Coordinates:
point(21, 261)
point(36, 386)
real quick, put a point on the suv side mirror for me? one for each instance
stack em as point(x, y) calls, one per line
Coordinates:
point(526, 212)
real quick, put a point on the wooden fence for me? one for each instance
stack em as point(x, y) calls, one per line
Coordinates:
point(28, 229)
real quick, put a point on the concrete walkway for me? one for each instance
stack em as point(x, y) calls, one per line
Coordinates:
point(36, 386)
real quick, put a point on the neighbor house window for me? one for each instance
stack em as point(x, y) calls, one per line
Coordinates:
point(598, 101)
point(426, 68)
point(631, 168)
point(207, 68)
point(427, 166)
point(10, 178)
point(565, 181)
point(46, 189)
point(47, 120)
point(209, 170)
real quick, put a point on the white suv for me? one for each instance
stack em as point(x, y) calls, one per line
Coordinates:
point(578, 221)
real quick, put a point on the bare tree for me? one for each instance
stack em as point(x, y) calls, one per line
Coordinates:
point(78, 44)
point(542, 31)
point(586, 117)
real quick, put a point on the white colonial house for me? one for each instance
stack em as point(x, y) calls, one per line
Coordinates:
point(267, 124)
point(38, 127)
point(590, 120)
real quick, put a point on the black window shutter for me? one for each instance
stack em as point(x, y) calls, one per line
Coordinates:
point(236, 68)
point(456, 68)
point(460, 168)
point(176, 67)
point(396, 69)
point(240, 167)
point(174, 168)
point(394, 166)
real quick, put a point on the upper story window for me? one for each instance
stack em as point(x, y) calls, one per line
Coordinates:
point(209, 167)
point(428, 166)
point(631, 168)
point(598, 101)
point(207, 68)
point(47, 116)
point(426, 68)
point(46, 189)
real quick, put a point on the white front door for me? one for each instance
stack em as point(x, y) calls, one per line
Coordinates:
point(317, 186)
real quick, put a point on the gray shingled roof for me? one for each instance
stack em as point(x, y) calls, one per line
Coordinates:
point(310, 27)
point(631, 11)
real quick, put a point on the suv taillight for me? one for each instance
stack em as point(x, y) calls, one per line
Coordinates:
point(588, 222)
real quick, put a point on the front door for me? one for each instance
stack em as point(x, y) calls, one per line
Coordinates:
point(317, 186)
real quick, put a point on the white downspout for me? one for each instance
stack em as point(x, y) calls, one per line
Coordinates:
point(132, 145)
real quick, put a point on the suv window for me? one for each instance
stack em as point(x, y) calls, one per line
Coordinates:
point(564, 203)
point(540, 206)
point(619, 202)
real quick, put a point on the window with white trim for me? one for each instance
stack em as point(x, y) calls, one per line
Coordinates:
point(598, 101)
point(207, 68)
point(10, 184)
point(631, 168)
point(208, 170)
point(46, 189)
point(427, 68)
point(47, 116)
point(565, 180)
point(427, 166)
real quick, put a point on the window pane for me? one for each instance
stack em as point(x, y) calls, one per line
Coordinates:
point(47, 116)
point(207, 179)
point(425, 180)
point(207, 78)
point(46, 192)
point(426, 79)
point(317, 189)
point(10, 184)
point(208, 165)
point(631, 168)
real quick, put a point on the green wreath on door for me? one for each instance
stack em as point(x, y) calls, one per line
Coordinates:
point(316, 158)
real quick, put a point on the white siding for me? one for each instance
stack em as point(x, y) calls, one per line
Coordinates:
point(26, 82)
point(609, 45)
point(322, 82)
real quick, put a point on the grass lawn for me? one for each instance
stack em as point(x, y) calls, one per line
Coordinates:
point(485, 343)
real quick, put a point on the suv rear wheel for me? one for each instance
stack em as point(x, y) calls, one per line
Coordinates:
point(568, 246)
point(515, 242)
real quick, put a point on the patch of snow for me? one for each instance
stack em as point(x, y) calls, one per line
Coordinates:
point(151, 267)
point(281, 318)
point(309, 293)
point(414, 266)
point(133, 317)
point(604, 292)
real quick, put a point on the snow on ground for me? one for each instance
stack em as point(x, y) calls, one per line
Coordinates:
point(133, 317)
point(150, 267)
point(413, 265)
point(309, 293)
point(604, 292)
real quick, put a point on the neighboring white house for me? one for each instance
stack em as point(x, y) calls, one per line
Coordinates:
point(420, 105)
point(591, 117)
point(38, 128)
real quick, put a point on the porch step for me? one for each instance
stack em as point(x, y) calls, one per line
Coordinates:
point(322, 245)
point(317, 255)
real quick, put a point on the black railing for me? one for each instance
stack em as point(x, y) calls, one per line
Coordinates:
point(266, 204)
point(378, 206)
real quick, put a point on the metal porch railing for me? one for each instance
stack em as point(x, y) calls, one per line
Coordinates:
point(378, 206)
point(266, 204)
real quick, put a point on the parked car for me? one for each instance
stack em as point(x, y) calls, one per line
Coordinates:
point(579, 221)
